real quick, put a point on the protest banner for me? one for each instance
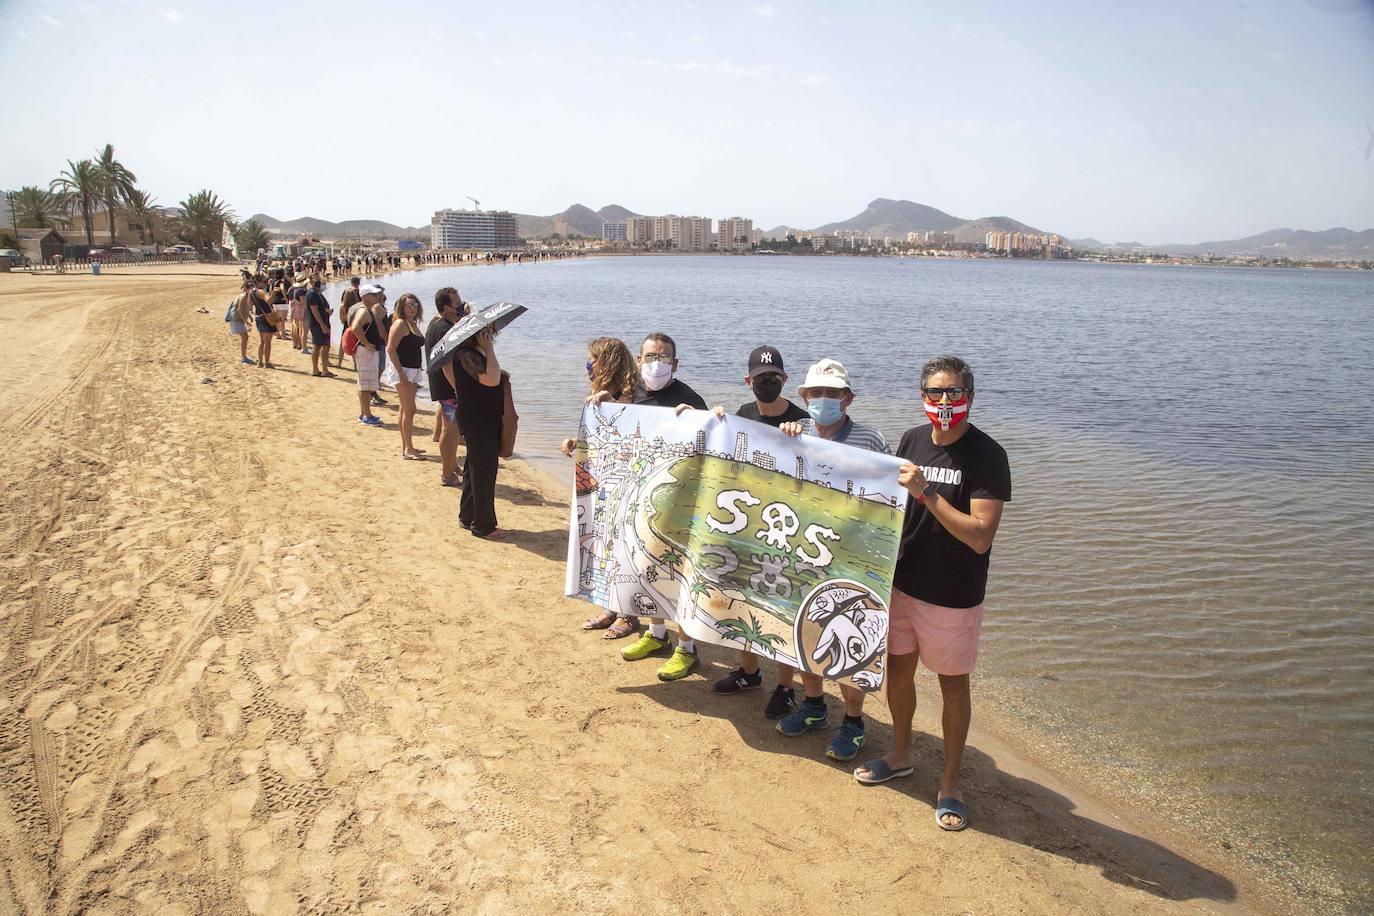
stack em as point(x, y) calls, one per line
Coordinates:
point(742, 535)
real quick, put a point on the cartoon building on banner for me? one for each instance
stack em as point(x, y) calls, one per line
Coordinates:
point(745, 537)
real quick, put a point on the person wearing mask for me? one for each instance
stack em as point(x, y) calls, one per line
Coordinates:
point(658, 373)
point(404, 370)
point(766, 377)
point(958, 480)
point(366, 329)
point(350, 298)
point(827, 396)
point(318, 311)
point(612, 376)
point(451, 310)
point(481, 406)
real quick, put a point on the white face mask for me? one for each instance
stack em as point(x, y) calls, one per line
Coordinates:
point(656, 375)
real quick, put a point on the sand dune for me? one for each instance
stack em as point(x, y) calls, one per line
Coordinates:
point(251, 664)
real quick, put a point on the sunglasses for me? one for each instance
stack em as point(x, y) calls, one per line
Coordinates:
point(954, 394)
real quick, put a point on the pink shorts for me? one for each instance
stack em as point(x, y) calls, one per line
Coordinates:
point(944, 638)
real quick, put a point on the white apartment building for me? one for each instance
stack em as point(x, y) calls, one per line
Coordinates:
point(614, 232)
point(473, 229)
point(639, 229)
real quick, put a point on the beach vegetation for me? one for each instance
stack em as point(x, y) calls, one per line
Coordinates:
point(35, 208)
point(252, 236)
point(116, 183)
point(143, 213)
point(79, 189)
point(202, 216)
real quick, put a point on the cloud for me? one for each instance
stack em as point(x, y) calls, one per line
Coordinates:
point(172, 15)
point(481, 36)
point(766, 10)
point(722, 67)
point(50, 21)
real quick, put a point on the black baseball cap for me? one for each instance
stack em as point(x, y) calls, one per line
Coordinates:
point(765, 359)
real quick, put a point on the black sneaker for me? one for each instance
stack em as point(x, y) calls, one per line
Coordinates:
point(780, 703)
point(378, 401)
point(738, 680)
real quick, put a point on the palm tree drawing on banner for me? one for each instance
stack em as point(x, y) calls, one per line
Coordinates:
point(750, 633)
point(671, 557)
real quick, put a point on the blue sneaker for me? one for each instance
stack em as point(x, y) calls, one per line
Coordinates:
point(805, 717)
point(371, 421)
point(846, 743)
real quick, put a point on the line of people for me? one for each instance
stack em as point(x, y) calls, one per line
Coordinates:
point(957, 479)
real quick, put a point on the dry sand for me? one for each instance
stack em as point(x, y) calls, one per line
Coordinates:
point(251, 664)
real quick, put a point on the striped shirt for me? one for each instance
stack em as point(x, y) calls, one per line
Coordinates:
point(855, 434)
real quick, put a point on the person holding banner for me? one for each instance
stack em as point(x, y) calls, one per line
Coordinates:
point(958, 480)
point(827, 396)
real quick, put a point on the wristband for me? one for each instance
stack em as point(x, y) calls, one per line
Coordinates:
point(925, 493)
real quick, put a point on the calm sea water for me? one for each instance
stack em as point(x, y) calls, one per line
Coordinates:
point(1181, 604)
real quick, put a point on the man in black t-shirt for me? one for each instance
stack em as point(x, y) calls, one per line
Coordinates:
point(317, 311)
point(658, 371)
point(958, 479)
point(450, 307)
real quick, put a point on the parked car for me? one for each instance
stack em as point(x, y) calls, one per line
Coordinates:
point(121, 253)
point(100, 255)
point(17, 257)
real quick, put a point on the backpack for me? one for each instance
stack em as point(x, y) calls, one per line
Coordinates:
point(232, 313)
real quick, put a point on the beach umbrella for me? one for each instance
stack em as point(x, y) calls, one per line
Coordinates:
point(495, 316)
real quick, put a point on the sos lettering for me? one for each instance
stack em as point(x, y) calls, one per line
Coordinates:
point(778, 523)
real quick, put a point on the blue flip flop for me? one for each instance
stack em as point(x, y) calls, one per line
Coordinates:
point(879, 772)
point(954, 806)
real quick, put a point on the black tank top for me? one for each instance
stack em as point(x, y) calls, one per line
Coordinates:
point(409, 350)
point(479, 407)
point(371, 333)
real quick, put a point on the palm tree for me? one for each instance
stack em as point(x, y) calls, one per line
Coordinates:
point(35, 207)
point(252, 235)
point(116, 183)
point(143, 211)
point(202, 215)
point(79, 188)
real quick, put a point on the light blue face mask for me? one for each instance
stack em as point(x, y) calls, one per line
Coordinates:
point(825, 411)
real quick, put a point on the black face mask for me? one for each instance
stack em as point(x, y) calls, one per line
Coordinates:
point(767, 387)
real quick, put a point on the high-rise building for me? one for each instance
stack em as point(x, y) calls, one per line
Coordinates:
point(639, 229)
point(473, 229)
point(614, 232)
point(735, 233)
point(741, 446)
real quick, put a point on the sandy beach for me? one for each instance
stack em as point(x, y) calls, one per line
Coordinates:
point(253, 665)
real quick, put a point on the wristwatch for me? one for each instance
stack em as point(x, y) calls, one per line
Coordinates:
point(925, 492)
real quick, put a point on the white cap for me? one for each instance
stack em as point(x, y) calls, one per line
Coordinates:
point(370, 290)
point(828, 373)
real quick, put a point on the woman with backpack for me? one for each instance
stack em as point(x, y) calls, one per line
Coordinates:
point(237, 316)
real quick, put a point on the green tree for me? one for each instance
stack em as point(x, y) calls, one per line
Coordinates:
point(251, 236)
point(202, 215)
point(8, 239)
point(35, 207)
point(143, 211)
point(116, 183)
point(78, 188)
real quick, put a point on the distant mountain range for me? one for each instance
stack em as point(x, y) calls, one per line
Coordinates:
point(882, 217)
point(895, 218)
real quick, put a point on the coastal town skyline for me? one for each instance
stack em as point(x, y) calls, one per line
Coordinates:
point(1151, 131)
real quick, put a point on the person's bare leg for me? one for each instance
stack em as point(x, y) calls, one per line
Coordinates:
point(749, 662)
point(364, 403)
point(901, 702)
point(853, 700)
point(438, 422)
point(954, 722)
point(406, 416)
point(243, 345)
point(448, 448)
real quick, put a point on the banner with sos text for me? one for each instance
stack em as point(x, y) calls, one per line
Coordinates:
point(742, 535)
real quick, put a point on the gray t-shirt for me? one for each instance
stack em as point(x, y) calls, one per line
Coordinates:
point(855, 434)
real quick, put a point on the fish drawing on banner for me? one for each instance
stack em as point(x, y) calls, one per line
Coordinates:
point(745, 537)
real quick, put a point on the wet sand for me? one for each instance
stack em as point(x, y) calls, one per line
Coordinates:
point(251, 664)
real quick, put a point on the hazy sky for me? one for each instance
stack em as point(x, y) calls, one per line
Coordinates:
point(1155, 122)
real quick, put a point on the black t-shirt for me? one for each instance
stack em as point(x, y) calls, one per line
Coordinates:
point(674, 393)
point(932, 564)
point(750, 411)
point(439, 388)
point(316, 298)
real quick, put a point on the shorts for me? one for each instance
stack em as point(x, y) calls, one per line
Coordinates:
point(318, 336)
point(365, 362)
point(416, 377)
point(450, 408)
point(944, 638)
point(238, 327)
point(264, 326)
point(298, 310)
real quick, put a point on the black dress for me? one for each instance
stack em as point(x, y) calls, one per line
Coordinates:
point(480, 409)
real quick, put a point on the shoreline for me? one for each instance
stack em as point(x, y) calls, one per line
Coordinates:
point(315, 706)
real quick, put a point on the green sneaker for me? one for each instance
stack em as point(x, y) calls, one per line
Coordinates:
point(679, 666)
point(643, 647)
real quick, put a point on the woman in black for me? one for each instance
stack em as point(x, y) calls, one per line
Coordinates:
point(404, 370)
point(481, 405)
point(266, 329)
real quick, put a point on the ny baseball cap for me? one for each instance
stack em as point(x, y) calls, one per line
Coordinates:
point(765, 359)
point(828, 373)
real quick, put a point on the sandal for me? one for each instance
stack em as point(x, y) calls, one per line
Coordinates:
point(600, 623)
point(878, 772)
point(411, 456)
point(946, 807)
point(620, 629)
point(453, 480)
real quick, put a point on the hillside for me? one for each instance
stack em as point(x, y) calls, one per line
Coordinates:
point(347, 229)
point(895, 218)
